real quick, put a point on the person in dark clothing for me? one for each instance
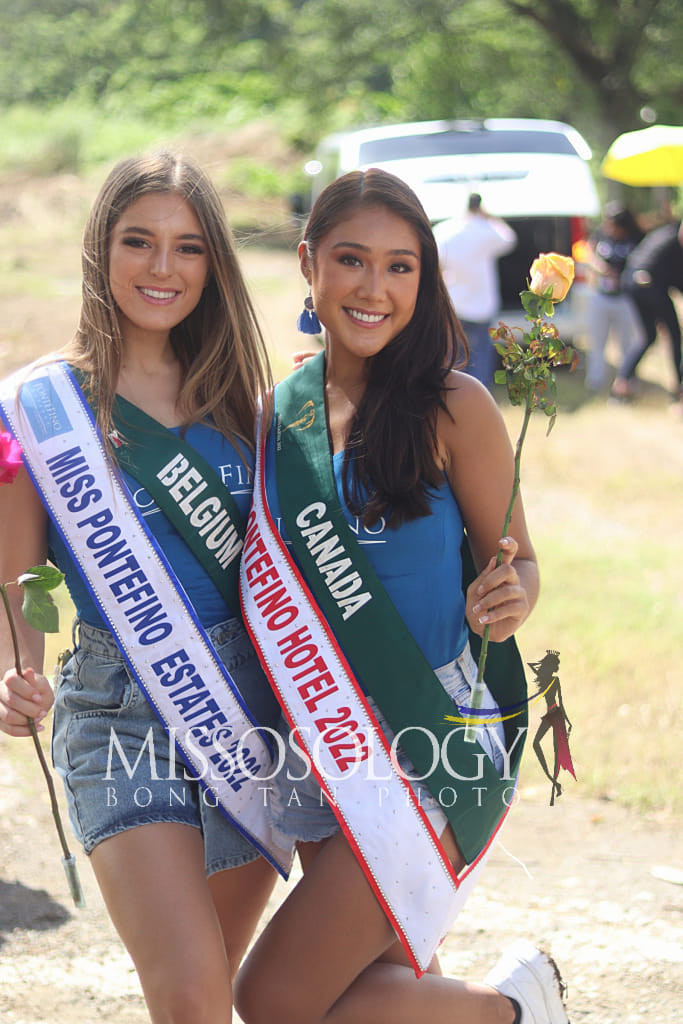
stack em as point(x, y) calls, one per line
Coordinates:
point(610, 309)
point(654, 267)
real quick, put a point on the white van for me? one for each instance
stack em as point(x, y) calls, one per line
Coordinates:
point(532, 173)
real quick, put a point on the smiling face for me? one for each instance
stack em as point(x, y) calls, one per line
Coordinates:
point(158, 265)
point(364, 277)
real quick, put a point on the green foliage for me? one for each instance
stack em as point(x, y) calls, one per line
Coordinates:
point(38, 608)
point(127, 72)
point(67, 138)
point(476, 64)
point(622, 51)
point(529, 364)
point(253, 178)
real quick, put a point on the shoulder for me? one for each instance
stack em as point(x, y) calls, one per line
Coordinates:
point(465, 395)
point(655, 243)
point(470, 422)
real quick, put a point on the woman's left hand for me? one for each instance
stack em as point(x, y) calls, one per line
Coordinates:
point(497, 598)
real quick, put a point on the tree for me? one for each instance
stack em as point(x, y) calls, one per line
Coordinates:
point(625, 51)
point(324, 65)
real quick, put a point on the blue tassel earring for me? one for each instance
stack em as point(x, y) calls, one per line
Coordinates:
point(308, 322)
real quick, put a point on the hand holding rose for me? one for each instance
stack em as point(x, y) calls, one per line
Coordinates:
point(496, 599)
point(527, 372)
point(24, 696)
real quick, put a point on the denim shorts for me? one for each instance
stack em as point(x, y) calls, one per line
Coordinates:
point(101, 717)
point(299, 810)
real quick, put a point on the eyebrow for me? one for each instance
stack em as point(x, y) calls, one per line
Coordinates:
point(365, 248)
point(150, 234)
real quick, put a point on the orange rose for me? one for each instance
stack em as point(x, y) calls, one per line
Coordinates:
point(552, 269)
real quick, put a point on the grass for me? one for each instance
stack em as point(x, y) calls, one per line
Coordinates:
point(71, 137)
point(604, 499)
point(615, 618)
point(603, 495)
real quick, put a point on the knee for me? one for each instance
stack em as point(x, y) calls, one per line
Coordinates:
point(202, 997)
point(252, 998)
point(261, 1000)
point(498, 1007)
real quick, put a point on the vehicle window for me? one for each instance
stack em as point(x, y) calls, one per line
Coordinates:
point(452, 143)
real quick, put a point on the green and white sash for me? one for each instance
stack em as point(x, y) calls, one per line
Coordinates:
point(138, 595)
point(310, 627)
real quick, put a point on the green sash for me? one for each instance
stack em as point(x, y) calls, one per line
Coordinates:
point(148, 449)
point(385, 657)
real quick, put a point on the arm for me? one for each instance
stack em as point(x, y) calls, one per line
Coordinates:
point(501, 237)
point(477, 457)
point(599, 266)
point(23, 543)
point(508, 238)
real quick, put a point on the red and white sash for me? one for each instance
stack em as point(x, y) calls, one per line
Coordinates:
point(377, 809)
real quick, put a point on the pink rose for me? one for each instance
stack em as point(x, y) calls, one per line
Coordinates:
point(10, 458)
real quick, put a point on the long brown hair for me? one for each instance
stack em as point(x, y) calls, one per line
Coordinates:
point(219, 345)
point(389, 461)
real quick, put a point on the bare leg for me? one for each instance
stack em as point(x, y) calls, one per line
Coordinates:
point(394, 954)
point(153, 882)
point(239, 896)
point(373, 999)
point(315, 961)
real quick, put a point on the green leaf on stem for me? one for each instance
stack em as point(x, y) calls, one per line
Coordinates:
point(43, 577)
point(39, 609)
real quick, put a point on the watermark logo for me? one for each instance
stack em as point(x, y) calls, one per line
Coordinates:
point(555, 719)
point(211, 745)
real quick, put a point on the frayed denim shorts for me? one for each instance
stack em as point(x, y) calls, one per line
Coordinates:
point(300, 811)
point(101, 717)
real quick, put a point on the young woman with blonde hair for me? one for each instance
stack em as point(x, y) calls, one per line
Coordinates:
point(150, 412)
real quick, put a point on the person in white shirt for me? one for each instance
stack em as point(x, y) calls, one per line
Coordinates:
point(469, 248)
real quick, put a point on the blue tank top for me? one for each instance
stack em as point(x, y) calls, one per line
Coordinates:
point(208, 603)
point(418, 563)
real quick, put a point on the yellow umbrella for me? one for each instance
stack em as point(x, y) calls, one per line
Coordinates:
point(651, 156)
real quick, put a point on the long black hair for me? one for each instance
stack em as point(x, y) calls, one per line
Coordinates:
point(389, 461)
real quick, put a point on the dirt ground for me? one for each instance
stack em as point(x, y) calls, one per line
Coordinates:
point(583, 877)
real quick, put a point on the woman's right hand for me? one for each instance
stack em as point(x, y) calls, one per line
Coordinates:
point(21, 698)
point(299, 358)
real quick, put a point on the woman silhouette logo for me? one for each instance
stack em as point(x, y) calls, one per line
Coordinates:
point(555, 718)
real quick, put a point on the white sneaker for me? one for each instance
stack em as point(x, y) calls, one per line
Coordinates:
point(530, 976)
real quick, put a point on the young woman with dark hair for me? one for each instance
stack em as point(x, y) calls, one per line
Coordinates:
point(380, 457)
